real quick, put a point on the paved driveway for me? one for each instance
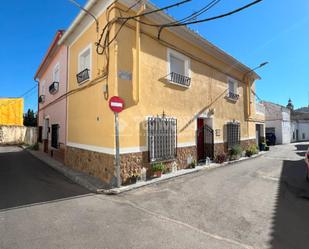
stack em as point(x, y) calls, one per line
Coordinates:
point(262, 203)
point(24, 180)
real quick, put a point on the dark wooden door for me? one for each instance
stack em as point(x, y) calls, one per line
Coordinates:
point(200, 140)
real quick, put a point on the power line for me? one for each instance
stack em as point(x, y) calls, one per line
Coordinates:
point(106, 29)
point(208, 19)
point(217, 17)
point(192, 16)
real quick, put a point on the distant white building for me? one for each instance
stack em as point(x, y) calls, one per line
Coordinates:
point(278, 122)
point(300, 125)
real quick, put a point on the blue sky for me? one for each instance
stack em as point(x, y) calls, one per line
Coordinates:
point(274, 31)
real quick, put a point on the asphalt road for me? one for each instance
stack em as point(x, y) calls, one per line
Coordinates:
point(261, 203)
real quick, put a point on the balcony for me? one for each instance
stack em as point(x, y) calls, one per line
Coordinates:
point(232, 96)
point(83, 76)
point(259, 108)
point(42, 99)
point(54, 87)
point(179, 79)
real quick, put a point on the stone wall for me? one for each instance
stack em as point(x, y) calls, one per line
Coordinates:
point(93, 163)
point(103, 165)
point(134, 162)
point(223, 148)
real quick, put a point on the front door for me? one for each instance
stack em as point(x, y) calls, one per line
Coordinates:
point(200, 140)
point(46, 133)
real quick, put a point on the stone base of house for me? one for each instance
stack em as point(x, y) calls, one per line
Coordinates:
point(93, 163)
point(103, 165)
point(134, 162)
point(223, 147)
point(58, 154)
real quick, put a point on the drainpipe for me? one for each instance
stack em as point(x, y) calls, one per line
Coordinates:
point(248, 97)
point(116, 68)
point(136, 85)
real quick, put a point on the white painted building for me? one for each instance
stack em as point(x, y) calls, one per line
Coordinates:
point(278, 122)
point(300, 126)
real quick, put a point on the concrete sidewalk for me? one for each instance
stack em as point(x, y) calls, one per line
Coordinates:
point(95, 185)
point(91, 183)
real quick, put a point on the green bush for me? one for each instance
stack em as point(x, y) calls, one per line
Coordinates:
point(34, 147)
point(236, 150)
point(157, 167)
point(251, 150)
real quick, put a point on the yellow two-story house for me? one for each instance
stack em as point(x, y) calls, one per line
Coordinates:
point(185, 99)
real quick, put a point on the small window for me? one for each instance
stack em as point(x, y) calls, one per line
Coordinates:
point(233, 134)
point(55, 136)
point(84, 65)
point(304, 136)
point(162, 133)
point(56, 73)
point(178, 68)
point(232, 89)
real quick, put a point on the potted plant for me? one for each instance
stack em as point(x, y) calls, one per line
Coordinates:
point(235, 152)
point(220, 158)
point(262, 146)
point(134, 177)
point(157, 169)
point(192, 165)
point(251, 150)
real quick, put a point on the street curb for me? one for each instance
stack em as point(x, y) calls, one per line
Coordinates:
point(91, 183)
point(95, 185)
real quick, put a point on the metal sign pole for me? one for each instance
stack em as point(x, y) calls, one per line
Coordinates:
point(117, 150)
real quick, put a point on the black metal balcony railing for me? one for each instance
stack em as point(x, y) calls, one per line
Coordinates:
point(54, 87)
point(233, 96)
point(42, 99)
point(180, 79)
point(82, 76)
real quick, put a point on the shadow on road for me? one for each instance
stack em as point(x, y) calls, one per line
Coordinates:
point(25, 180)
point(291, 214)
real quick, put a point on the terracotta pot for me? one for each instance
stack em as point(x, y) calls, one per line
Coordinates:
point(158, 173)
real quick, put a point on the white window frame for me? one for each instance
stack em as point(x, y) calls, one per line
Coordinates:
point(235, 82)
point(89, 47)
point(43, 87)
point(182, 57)
point(56, 67)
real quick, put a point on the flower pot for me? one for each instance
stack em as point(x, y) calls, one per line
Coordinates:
point(262, 147)
point(158, 173)
point(133, 180)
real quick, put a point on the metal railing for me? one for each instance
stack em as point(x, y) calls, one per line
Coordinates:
point(41, 98)
point(162, 139)
point(82, 76)
point(180, 79)
point(54, 87)
point(233, 96)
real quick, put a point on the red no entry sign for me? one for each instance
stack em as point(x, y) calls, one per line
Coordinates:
point(116, 104)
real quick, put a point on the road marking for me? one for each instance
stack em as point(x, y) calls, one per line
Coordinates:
point(162, 217)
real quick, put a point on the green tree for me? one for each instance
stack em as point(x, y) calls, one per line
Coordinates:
point(30, 118)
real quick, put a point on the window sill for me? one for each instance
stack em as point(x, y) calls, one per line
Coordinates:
point(178, 84)
point(83, 82)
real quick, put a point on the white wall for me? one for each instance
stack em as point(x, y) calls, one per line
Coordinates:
point(277, 124)
point(286, 132)
point(18, 135)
